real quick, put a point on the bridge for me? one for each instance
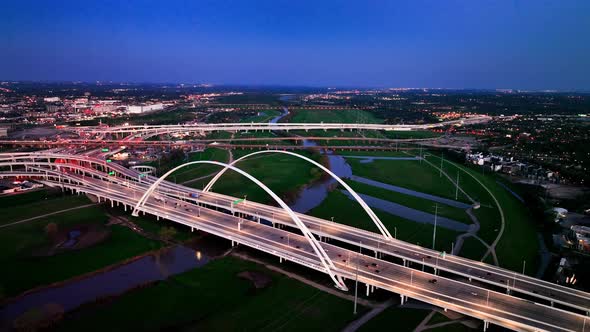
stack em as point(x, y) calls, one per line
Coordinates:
point(473, 288)
point(202, 128)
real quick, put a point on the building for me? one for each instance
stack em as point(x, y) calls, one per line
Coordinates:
point(137, 109)
point(3, 131)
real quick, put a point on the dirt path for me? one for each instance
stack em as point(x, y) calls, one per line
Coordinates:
point(48, 214)
point(356, 324)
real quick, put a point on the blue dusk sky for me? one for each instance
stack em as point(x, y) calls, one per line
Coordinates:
point(523, 44)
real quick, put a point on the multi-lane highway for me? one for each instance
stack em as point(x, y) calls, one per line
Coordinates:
point(87, 174)
point(150, 130)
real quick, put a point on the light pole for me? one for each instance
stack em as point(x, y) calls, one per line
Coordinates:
point(434, 231)
point(457, 185)
point(523, 266)
point(356, 281)
point(395, 233)
point(442, 158)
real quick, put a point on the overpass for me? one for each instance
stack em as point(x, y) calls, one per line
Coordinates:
point(215, 213)
point(202, 128)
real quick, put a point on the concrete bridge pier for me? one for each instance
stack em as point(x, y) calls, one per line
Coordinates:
point(486, 324)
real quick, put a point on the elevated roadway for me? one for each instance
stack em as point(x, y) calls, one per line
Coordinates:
point(467, 298)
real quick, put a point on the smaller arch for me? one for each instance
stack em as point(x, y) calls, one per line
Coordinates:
point(317, 248)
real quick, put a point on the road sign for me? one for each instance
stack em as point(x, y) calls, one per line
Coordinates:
point(108, 160)
point(238, 201)
point(105, 150)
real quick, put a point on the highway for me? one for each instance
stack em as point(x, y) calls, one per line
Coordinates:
point(456, 265)
point(470, 299)
point(151, 130)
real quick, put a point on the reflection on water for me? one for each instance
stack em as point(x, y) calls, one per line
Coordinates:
point(315, 194)
point(158, 266)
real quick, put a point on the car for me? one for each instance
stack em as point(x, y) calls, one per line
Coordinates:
point(374, 264)
point(432, 281)
point(377, 271)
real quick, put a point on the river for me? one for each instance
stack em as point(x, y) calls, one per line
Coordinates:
point(72, 294)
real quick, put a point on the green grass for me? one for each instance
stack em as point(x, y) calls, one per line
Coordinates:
point(411, 201)
point(151, 225)
point(472, 248)
point(395, 319)
point(283, 174)
point(27, 205)
point(333, 116)
point(264, 116)
point(194, 171)
point(24, 271)
point(378, 153)
point(348, 212)
point(409, 174)
point(519, 241)
point(213, 298)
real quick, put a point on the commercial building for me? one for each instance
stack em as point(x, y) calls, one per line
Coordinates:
point(136, 109)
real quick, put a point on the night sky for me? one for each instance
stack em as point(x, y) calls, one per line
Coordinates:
point(532, 44)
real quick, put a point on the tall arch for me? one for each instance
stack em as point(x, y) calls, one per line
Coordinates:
point(363, 204)
point(317, 248)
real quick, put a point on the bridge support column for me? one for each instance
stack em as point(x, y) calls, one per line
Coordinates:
point(485, 325)
point(112, 203)
point(280, 259)
point(367, 289)
point(157, 218)
point(402, 299)
point(125, 207)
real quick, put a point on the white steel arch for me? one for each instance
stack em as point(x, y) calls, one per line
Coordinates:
point(363, 204)
point(319, 251)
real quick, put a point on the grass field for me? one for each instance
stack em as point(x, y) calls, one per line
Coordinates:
point(411, 201)
point(281, 173)
point(214, 298)
point(24, 271)
point(395, 319)
point(473, 249)
point(409, 174)
point(333, 116)
point(27, 205)
point(346, 211)
point(519, 240)
point(263, 116)
point(379, 153)
point(194, 171)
